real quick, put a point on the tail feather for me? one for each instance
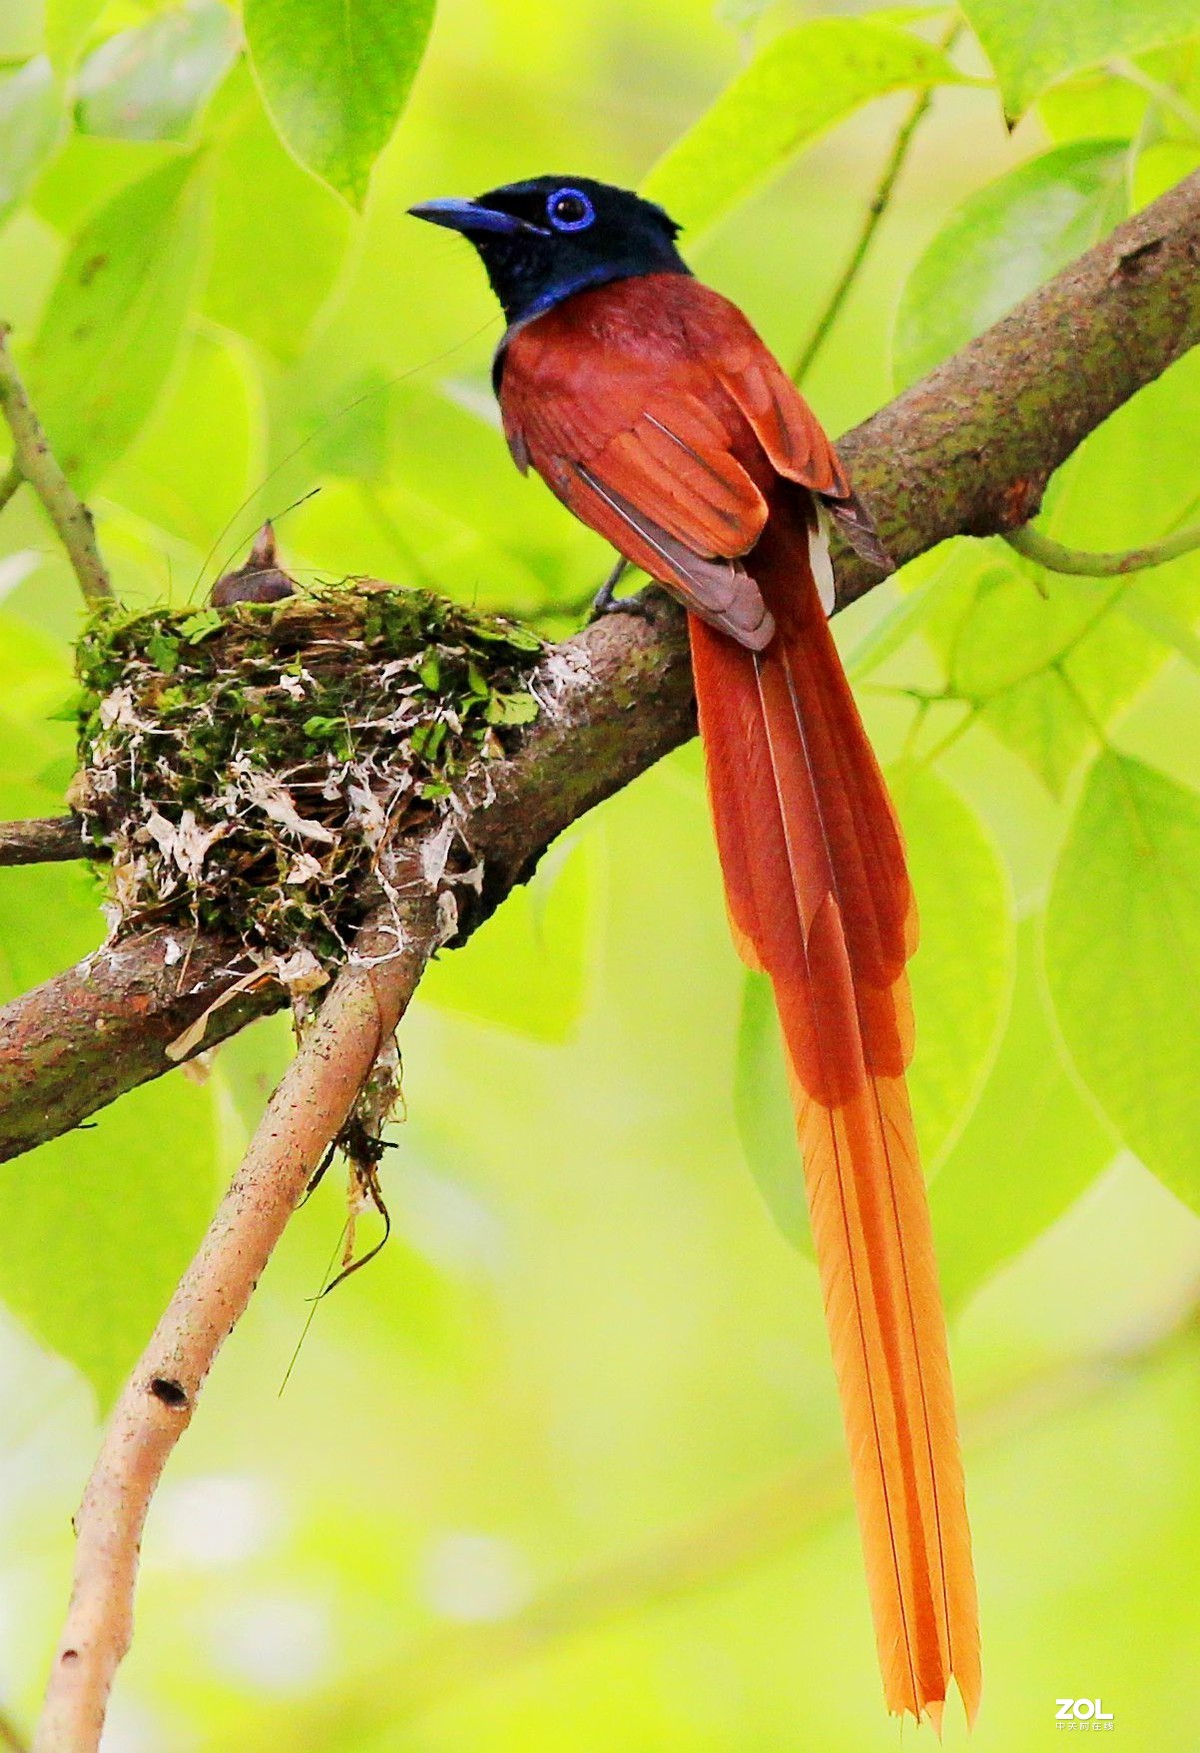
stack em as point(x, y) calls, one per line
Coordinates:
point(819, 897)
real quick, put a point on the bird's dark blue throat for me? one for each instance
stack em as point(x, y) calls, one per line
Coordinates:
point(544, 239)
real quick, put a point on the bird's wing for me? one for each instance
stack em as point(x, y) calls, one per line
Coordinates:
point(643, 444)
point(653, 410)
point(786, 427)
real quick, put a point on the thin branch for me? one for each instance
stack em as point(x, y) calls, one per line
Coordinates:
point(969, 449)
point(48, 840)
point(871, 220)
point(9, 484)
point(303, 1117)
point(1077, 564)
point(38, 465)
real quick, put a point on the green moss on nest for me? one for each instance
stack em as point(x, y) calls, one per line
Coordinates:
point(241, 765)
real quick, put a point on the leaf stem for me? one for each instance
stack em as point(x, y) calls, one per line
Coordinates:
point(34, 461)
point(874, 214)
point(1166, 95)
point(1077, 564)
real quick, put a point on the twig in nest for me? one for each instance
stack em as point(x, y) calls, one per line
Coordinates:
point(309, 1108)
point(364, 1153)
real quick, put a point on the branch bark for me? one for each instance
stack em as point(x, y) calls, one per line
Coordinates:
point(103, 1026)
point(968, 450)
point(304, 1115)
point(35, 462)
point(48, 840)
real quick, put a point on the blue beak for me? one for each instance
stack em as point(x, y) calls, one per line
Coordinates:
point(466, 217)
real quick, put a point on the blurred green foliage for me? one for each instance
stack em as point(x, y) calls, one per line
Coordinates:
point(586, 1333)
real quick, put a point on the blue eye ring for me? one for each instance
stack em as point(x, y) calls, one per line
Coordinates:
point(579, 218)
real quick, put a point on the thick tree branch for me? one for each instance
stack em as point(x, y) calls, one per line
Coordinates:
point(307, 1111)
point(968, 450)
point(50, 840)
point(103, 1027)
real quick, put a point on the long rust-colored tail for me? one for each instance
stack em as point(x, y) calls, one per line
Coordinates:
point(819, 898)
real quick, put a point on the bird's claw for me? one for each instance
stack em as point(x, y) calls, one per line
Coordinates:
point(607, 602)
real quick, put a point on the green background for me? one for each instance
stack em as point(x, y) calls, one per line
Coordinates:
point(563, 1469)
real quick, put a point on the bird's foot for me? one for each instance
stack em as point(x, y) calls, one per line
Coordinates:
point(607, 602)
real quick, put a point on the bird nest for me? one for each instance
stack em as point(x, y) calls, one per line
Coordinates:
point(245, 766)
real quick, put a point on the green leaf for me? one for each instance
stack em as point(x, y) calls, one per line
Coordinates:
point(335, 75)
point(99, 1224)
point(21, 24)
point(1031, 43)
point(511, 709)
point(68, 25)
point(762, 1104)
point(246, 1070)
point(196, 457)
point(526, 968)
point(114, 319)
point(201, 625)
point(1098, 105)
point(148, 83)
point(30, 127)
point(960, 978)
point(1003, 241)
point(1123, 960)
point(275, 259)
point(961, 972)
point(1030, 1147)
point(1029, 646)
point(802, 83)
point(64, 900)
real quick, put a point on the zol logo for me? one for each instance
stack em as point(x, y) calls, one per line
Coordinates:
point(1082, 1713)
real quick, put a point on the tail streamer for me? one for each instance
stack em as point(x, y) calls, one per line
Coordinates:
point(819, 898)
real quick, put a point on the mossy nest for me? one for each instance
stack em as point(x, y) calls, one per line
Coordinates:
point(243, 765)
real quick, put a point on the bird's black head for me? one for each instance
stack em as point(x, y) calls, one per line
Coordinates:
point(544, 239)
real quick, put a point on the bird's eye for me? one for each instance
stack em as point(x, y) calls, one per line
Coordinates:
point(569, 210)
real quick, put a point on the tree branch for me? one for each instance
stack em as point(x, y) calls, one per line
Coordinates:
point(968, 450)
point(51, 840)
point(9, 483)
point(35, 462)
point(303, 1117)
point(103, 1026)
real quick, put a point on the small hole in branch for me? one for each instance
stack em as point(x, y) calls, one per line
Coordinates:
point(170, 1393)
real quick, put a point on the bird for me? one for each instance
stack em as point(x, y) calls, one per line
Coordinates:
point(652, 409)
